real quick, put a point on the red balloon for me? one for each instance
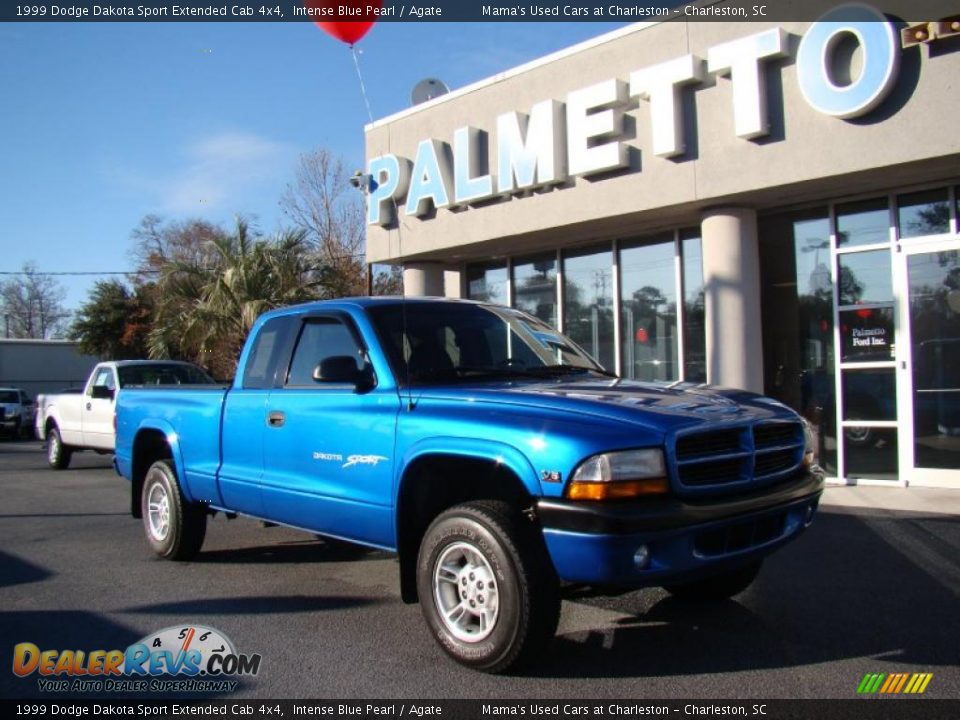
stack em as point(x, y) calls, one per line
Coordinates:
point(349, 31)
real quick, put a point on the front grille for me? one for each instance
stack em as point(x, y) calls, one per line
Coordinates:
point(774, 434)
point(774, 462)
point(712, 473)
point(708, 443)
point(718, 458)
point(741, 536)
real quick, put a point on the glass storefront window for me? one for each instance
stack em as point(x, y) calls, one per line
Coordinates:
point(694, 315)
point(869, 394)
point(865, 277)
point(488, 283)
point(797, 311)
point(648, 302)
point(871, 453)
point(923, 213)
point(535, 287)
point(863, 223)
point(934, 281)
point(588, 302)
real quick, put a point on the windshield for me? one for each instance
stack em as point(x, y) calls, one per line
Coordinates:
point(162, 374)
point(9, 396)
point(465, 342)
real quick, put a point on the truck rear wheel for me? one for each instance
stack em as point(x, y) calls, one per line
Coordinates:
point(58, 454)
point(174, 528)
point(487, 587)
point(717, 587)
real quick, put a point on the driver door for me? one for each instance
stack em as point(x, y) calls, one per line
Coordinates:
point(329, 446)
point(97, 412)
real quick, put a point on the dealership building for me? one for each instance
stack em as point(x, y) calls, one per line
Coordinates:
point(768, 206)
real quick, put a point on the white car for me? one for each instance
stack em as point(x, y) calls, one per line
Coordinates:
point(85, 420)
point(16, 412)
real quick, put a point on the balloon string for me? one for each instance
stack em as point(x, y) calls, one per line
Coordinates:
point(363, 87)
point(396, 210)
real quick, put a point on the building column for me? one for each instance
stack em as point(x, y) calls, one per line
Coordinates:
point(731, 275)
point(423, 279)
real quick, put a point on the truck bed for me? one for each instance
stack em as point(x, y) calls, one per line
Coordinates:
point(190, 412)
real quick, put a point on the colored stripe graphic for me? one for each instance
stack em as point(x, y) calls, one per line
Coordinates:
point(894, 683)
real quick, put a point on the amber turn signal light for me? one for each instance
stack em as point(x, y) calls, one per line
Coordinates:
point(621, 490)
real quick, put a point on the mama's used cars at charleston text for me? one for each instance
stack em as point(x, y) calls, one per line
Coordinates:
point(488, 451)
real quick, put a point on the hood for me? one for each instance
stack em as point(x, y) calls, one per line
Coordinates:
point(654, 405)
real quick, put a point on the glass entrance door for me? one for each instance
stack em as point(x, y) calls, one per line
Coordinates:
point(929, 366)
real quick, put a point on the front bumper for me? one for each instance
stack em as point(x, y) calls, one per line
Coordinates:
point(596, 543)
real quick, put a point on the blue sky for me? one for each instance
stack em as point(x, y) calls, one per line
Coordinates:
point(103, 123)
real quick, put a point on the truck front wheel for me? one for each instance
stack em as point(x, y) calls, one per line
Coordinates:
point(58, 454)
point(487, 587)
point(717, 587)
point(175, 528)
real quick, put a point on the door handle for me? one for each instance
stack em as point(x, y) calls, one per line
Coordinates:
point(89, 406)
point(276, 418)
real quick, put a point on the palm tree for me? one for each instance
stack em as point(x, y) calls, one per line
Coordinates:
point(207, 305)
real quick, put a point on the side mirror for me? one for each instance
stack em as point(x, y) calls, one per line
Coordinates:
point(337, 369)
point(102, 392)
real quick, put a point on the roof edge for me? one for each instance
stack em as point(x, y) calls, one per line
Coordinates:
point(513, 72)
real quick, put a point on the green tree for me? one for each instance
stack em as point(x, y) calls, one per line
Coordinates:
point(207, 301)
point(114, 321)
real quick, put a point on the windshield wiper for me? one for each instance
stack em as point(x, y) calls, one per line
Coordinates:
point(568, 369)
point(475, 372)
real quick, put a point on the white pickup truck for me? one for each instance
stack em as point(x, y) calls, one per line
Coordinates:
point(86, 420)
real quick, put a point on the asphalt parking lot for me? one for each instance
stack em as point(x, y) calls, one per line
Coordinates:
point(867, 589)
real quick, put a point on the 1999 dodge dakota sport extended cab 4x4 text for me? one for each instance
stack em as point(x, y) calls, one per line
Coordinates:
point(493, 455)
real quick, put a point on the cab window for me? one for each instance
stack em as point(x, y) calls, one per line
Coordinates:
point(320, 339)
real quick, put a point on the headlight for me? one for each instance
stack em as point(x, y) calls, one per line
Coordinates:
point(619, 476)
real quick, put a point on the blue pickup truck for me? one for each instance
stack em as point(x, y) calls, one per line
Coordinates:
point(491, 453)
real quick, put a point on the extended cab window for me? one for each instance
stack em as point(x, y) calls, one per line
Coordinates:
point(270, 350)
point(320, 339)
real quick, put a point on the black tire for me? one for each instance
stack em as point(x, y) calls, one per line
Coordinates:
point(717, 587)
point(174, 528)
point(498, 552)
point(58, 454)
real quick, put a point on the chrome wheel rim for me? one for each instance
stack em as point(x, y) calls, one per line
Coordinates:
point(158, 511)
point(53, 448)
point(466, 592)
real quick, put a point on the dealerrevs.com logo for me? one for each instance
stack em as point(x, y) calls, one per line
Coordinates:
point(176, 659)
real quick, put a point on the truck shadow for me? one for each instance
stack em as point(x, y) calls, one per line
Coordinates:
point(259, 605)
point(16, 571)
point(302, 551)
point(856, 585)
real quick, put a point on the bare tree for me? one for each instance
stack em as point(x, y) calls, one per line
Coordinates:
point(32, 305)
point(157, 244)
point(321, 202)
